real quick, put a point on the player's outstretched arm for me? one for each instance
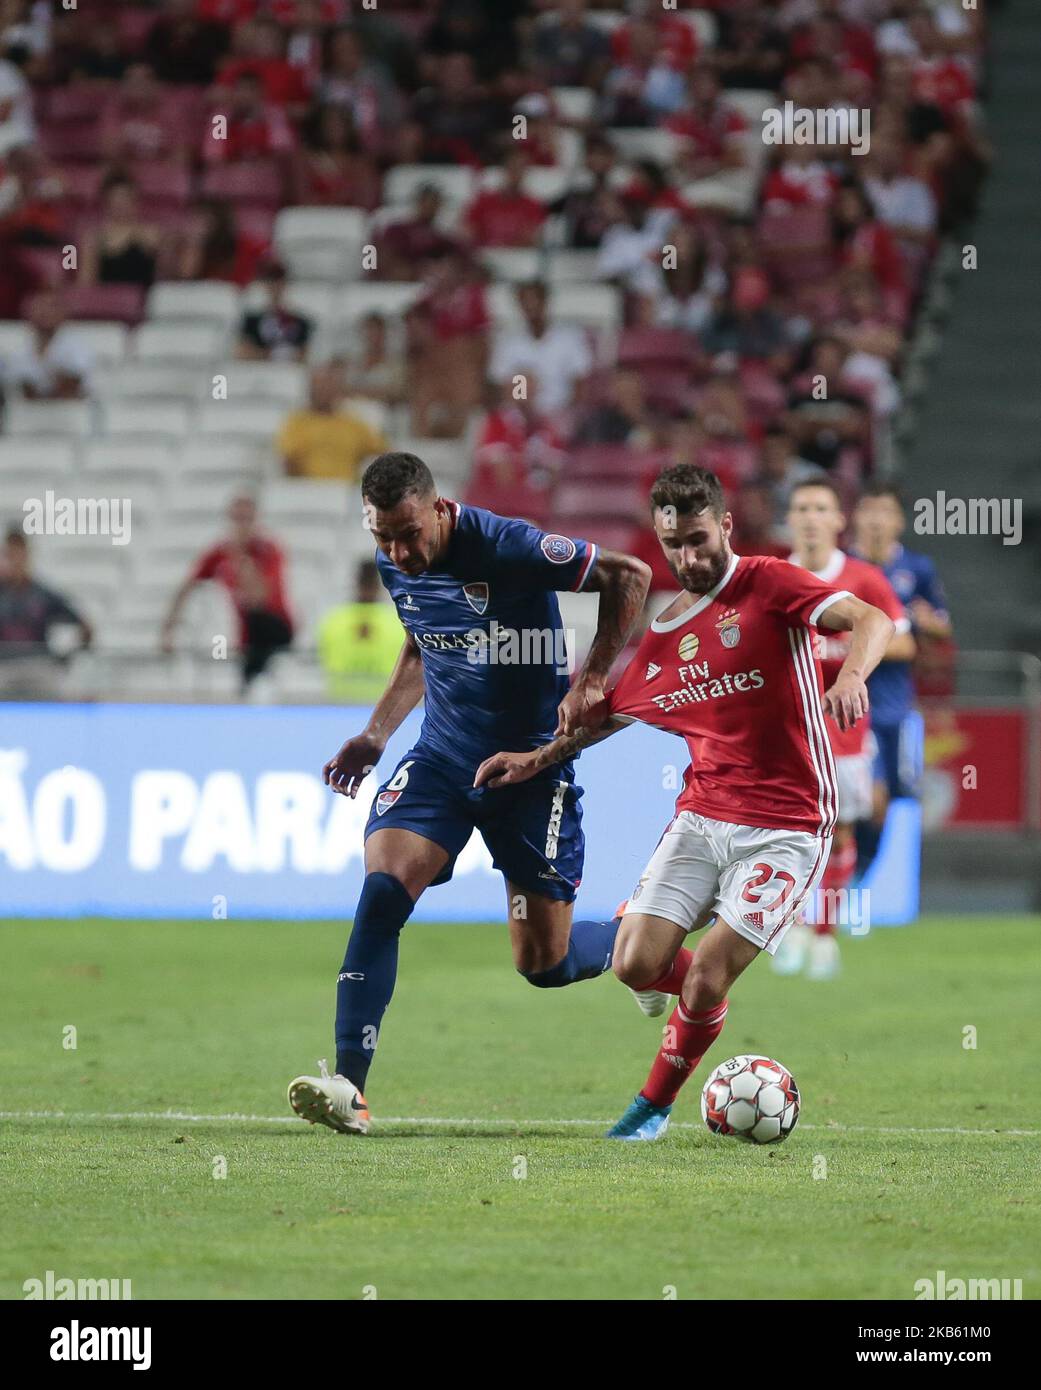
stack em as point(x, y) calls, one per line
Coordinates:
point(847, 700)
point(622, 582)
point(359, 755)
point(507, 769)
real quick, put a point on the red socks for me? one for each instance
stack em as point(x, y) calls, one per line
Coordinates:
point(672, 981)
point(686, 1041)
point(841, 867)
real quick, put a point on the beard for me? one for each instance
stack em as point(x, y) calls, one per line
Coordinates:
point(701, 583)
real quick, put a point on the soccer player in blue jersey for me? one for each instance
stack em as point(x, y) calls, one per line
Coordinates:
point(878, 524)
point(484, 647)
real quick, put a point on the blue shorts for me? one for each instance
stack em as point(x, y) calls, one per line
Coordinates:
point(533, 831)
point(898, 756)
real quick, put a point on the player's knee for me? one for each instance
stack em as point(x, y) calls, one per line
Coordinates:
point(384, 904)
point(634, 970)
point(704, 986)
point(552, 978)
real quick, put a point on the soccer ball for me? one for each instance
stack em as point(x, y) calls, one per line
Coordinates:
point(752, 1098)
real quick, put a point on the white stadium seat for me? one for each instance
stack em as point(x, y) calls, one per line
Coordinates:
point(174, 341)
point(69, 419)
point(171, 419)
point(272, 381)
point(199, 301)
point(660, 145)
point(512, 264)
point(309, 499)
point(259, 420)
point(389, 298)
point(574, 103)
point(137, 457)
point(15, 338)
point(455, 181)
point(321, 243)
point(107, 341)
point(152, 380)
point(43, 457)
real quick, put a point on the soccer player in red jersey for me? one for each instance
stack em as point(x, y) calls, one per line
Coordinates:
point(816, 521)
point(729, 666)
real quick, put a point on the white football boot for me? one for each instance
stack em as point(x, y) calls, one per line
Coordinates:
point(330, 1100)
point(793, 950)
point(825, 962)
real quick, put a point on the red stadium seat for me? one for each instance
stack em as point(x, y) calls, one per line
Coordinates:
point(126, 303)
point(617, 501)
point(533, 504)
point(252, 182)
point(646, 347)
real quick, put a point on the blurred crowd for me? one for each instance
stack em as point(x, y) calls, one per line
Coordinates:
point(160, 142)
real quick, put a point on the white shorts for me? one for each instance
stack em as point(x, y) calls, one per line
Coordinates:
point(756, 880)
point(855, 779)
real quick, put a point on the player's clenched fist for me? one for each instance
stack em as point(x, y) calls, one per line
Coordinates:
point(354, 761)
point(582, 707)
point(846, 701)
point(507, 769)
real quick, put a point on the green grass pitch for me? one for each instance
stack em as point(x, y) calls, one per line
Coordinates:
point(477, 1182)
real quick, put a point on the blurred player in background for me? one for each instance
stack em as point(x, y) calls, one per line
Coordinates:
point(468, 586)
point(729, 666)
point(878, 524)
point(815, 523)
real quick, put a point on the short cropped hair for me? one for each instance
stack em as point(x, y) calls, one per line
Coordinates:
point(390, 478)
point(688, 488)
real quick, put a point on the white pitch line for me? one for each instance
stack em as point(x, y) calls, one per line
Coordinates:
point(470, 1122)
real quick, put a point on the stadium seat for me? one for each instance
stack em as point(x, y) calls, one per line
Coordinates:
point(307, 499)
point(285, 382)
point(589, 306)
point(124, 303)
point(373, 297)
point(162, 183)
point(249, 419)
point(42, 458)
point(512, 264)
point(148, 379)
point(571, 267)
point(576, 104)
point(192, 342)
point(225, 461)
point(146, 417)
point(72, 419)
point(617, 500)
point(660, 145)
point(455, 182)
point(252, 183)
point(321, 243)
point(106, 340)
point(131, 455)
point(199, 301)
point(16, 338)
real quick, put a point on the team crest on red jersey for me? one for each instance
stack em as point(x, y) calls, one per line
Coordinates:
point(729, 628)
point(477, 596)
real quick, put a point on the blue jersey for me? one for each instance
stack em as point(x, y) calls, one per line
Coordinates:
point(487, 625)
point(890, 685)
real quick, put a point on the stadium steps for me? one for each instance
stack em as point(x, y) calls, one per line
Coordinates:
point(978, 425)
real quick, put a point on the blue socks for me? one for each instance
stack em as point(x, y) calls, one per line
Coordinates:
point(366, 979)
point(588, 955)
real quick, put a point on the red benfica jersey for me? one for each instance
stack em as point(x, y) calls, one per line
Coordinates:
point(864, 581)
point(734, 674)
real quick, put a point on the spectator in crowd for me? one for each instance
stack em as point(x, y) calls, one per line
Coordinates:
point(567, 49)
point(251, 568)
point(517, 445)
point(359, 642)
point(865, 243)
point(256, 128)
point(407, 249)
point(322, 440)
point(57, 364)
point(623, 418)
point(123, 248)
point(557, 352)
point(780, 470)
point(825, 414)
point(456, 114)
point(747, 326)
point(333, 170)
point(214, 249)
point(711, 131)
point(26, 24)
point(28, 611)
point(360, 88)
point(754, 532)
point(138, 121)
point(751, 52)
point(693, 288)
point(17, 126)
point(372, 367)
point(503, 214)
point(184, 48)
point(99, 59)
point(259, 45)
point(801, 178)
point(632, 248)
point(275, 333)
point(33, 201)
point(585, 207)
point(448, 334)
point(643, 84)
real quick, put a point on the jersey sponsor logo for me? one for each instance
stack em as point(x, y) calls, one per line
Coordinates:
point(477, 596)
point(652, 671)
point(729, 628)
point(558, 550)
point(409, 604)
point(693, 691)
point(688, 647)
point(556, 817)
